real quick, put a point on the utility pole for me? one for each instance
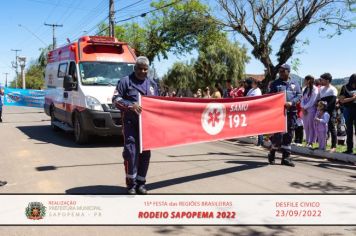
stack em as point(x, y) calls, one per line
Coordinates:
point(6, 79)
point(111, 19)
point(15, 65)
point(54, 33)
point(22, 61)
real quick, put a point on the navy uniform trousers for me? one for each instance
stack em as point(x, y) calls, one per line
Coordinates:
point(283, 140)
point(136, 163)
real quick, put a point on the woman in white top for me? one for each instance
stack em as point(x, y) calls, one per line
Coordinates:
point(255, 91)
point(308, 104)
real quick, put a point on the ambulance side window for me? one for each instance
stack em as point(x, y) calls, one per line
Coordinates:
point(73, 72)
point(62, 70)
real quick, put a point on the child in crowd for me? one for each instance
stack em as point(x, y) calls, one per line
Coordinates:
point(299, 131)
point(340, 124)
point(206, 92)
point(321, 124)
point(239, 91)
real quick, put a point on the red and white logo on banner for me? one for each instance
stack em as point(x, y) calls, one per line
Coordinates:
point(213, 118)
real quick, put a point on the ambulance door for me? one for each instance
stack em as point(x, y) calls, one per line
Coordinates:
point(59, 100)
point(72, 97)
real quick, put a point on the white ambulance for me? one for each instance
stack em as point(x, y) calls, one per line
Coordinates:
point(80, 80)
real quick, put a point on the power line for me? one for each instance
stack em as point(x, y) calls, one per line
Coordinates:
point(53, 30)
point(33, 34)
point(93, 14)
point(148, 12)
point(128, 6)
point(142, 15)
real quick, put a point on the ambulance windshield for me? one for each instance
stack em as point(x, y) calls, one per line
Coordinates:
point(103, 73)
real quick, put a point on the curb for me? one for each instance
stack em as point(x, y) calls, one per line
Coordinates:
point(306, 151)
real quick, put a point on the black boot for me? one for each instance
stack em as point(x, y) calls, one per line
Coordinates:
point(272, 157)
point(131, 191)
point(131, 186)
point(286, 160)
point(141, 188)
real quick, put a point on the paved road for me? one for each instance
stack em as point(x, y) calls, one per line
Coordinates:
point(34, 159)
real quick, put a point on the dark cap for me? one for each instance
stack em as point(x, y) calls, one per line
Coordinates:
point(326, 76)
point(285, 66)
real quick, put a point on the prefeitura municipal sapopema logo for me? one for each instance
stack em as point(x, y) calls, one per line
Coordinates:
point(35, 211)
point(213, 118)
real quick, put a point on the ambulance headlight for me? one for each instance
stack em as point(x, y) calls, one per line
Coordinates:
point(93, 103)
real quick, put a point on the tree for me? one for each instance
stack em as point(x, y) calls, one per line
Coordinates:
point(260, 22)
point(42, 59)
point(181, 76)
point(220, 61)
point(35, 72)
point(179, 28)
point(35, 77)
point(176, 26)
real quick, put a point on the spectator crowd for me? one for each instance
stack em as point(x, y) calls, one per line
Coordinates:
point(322, 113)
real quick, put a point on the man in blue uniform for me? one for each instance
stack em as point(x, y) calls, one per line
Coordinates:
point(126, 99)
point(293, 93)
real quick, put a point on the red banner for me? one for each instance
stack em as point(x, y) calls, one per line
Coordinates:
point(167, 122)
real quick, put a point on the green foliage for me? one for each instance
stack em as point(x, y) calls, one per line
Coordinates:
point(42, 59)
point(179, 29)
point(180, 76)
point(220, 61)
point(135, 35)
point(35, 77)
point(217, 62)
point(13, 84)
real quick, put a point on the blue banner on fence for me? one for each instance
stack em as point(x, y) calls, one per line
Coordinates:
point(24, 97)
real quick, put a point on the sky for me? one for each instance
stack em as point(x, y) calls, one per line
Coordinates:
point(22, 27)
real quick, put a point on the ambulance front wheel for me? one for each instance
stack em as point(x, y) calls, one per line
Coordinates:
point(80, 135)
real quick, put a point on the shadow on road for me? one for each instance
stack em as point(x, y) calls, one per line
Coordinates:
point(101, 189)
point(248, 154)
point(97, 189)
point(323, 186)
point(331, 164)
point(44, 134)
point(228, 230)
point(50, 167)
point(244, 165)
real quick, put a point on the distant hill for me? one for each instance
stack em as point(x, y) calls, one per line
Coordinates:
point(340, 82)
point(297, 78)
point(336, 81)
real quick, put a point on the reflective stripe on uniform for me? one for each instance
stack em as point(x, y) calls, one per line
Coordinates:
point(131, 176)
point(140, 178)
